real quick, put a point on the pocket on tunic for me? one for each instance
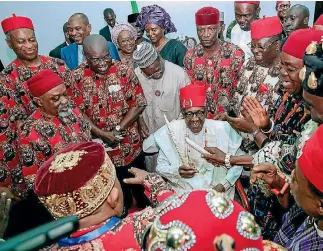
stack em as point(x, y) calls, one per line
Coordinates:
point(167, 103)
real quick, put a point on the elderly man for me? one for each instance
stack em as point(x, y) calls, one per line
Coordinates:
point(91, 190)
point(51, 127)
point(179, 162)
point(260, 76)
point(20, 37)
point(214, 61)
point(79, 28)
point(56, 53)
point(112, 98)
point(296, 18)
point(281, 8)
point(238, 31)
point(110, 18)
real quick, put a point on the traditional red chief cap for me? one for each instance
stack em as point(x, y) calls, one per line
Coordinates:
point(265, 27)
point(14, 22)
point(76, 180)
point(192, 96)
point(311, 159)
point(43, 82)
point(319, 21)
point(207, 16)
point(200, 220)
point(250, 2)
point(298, 41)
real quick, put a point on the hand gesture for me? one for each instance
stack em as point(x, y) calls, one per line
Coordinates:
point(221, 116)
point(139, 178)
point(187, 172)
point(268, 173)
point(110, 137)
point(143, 129)
point(242, 125)
point(216, 156)
point(257, 112)
point(5, 203)
point(219, 188)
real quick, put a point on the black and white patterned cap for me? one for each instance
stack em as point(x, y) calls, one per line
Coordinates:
point(145, 55)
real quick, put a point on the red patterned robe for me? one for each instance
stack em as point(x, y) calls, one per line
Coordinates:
point(127, 234)
point(42, 136)
point(10, 113)
point(106, 100)
point(219, 71)
point(18, 74)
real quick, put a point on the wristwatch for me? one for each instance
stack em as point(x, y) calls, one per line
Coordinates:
point(118, 128)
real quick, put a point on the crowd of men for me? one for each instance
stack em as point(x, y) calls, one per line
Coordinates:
point(148, 142)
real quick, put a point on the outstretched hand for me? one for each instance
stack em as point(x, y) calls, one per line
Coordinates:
point(216, 156)
point(139, 178)
point(257, 112)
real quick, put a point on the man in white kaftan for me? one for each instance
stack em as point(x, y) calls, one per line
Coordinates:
point(182, 165)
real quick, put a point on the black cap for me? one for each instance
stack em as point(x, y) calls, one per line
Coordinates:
point(132, 18)
point(312, 72)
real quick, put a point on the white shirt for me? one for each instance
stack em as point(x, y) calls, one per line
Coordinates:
point(242, 39)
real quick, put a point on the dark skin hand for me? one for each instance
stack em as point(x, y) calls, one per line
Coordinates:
point(268, 173)
point(143, 129)
point(5, 202)
point(187, 172)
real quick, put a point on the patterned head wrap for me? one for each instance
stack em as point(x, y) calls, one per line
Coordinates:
point(154, 14)
point(145, 55)
point(118, 28)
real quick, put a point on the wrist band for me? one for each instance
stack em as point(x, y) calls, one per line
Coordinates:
point(254, 134)
point(271, 127)
point(227, 160)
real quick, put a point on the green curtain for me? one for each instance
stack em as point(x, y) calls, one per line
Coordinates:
point(134, 7)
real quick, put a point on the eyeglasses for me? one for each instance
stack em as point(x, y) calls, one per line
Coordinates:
point(130, 40)
point(190, 115)
point(96, 61)
point(283, 6)
point(252, 46)
point(159, 69)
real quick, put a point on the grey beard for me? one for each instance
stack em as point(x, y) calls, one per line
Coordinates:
point(64, 114)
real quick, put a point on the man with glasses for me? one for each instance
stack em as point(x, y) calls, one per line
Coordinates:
point(112, 98)
point(179, 162)
point(161, 81)
point(260, 75)
point(281, 8)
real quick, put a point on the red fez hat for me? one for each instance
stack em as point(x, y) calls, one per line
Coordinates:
point(14, 22)
point(207, 16)
point(319, 21)
point(311, 159)
point(249, 2)
point(76, 180)
point(192, 96)
point(43, 82)
point(265, 27)
point(191, 213)
point(298, 41)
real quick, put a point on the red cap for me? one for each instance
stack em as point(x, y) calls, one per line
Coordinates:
point(14, 22)
point(76, 180)
point(311, 159)
point(250, 2)
point(191, 213)
point(319, 21)
point(265, 27)
point(298, 41)
point(207, 16)
point(43, 82)
point(192, 96)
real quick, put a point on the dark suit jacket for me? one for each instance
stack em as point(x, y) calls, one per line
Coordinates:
point(56, 53)
point(1, 66)
point(106, 33)
point(69, 54)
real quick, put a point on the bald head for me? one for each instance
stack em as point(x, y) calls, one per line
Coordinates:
point(296, 18)
point(79, 27)
point(96, 51)
point(109, 17)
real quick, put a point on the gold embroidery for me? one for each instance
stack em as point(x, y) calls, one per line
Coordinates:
point(66, 161)
point(312, 81)
point(311, 49)
point(302, 73)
